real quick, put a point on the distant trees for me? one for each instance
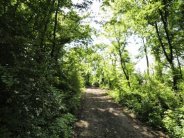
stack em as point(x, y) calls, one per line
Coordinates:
point(158, 22)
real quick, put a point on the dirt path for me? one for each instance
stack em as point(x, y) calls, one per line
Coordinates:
point(102, 118)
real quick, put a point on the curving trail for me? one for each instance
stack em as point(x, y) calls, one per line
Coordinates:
point(102, 118)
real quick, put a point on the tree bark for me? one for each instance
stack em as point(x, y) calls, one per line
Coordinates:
point(123, 66)
point(146, 53)
point(169, 57)
point(121, 48)
point(179, 65)
point(54, 33)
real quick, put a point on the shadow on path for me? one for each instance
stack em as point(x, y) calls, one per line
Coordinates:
point(102, 118)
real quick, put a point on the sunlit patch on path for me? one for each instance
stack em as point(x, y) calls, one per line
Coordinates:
point(102, 118)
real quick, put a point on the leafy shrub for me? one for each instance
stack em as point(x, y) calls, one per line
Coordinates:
point(174, 122)
point(156, 104)
point(33, 105)
point(62, 127)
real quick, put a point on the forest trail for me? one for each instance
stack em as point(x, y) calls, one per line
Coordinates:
point(102, 118)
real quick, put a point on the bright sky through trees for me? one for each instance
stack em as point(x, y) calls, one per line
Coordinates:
point(98, 16)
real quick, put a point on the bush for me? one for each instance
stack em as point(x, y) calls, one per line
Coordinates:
point(174, 122)
point(156, 104)
point(36, 104)
point(62, 127)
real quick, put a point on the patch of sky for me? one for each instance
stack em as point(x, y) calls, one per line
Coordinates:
point(96, 18)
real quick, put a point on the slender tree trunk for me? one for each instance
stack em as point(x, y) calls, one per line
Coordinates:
point(164, 15)
point(123, 66)
point(121, 48)
point(161, 43)
point(146, 53)
point(169, 57)
point(165, 23)
point(54, 33)
point(179, 65)
point(174, 75)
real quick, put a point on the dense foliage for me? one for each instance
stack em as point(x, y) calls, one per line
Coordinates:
point(39, 85)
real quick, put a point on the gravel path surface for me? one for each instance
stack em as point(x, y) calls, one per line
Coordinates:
point(100, 117)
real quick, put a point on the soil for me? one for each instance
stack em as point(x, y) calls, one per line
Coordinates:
point(101, 117)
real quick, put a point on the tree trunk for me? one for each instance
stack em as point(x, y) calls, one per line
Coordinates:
point(179, 65)
point(146, 53)
point(125, 71)
point(169, 57)
point(54, 33)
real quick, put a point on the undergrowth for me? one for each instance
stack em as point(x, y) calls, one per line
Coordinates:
point(156, 104)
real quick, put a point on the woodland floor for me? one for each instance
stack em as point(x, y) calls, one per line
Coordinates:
point(100, 117)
